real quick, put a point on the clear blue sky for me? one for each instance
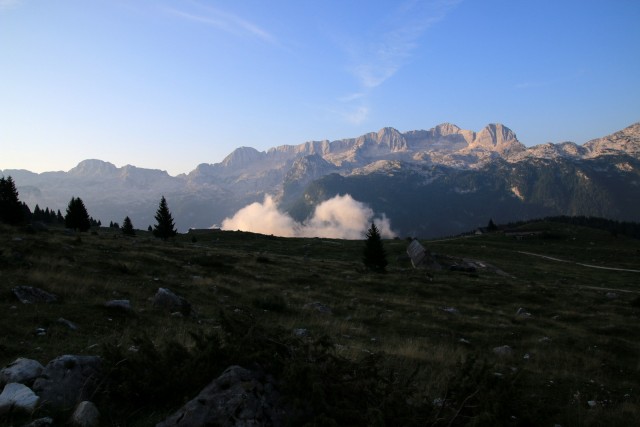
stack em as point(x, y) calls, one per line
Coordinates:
point(171, 84)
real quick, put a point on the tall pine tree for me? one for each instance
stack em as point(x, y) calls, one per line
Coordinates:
point(77, 217)
point(11, 211)
point(164, 227)
point(127, 227)
point(375, 257)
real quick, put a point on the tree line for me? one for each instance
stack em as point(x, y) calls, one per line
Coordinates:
point(15, 212)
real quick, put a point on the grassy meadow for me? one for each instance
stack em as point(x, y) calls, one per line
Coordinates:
point(409, 347)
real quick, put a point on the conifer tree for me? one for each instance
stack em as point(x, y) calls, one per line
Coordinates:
point(10, 207)
point(77, 217)
point(164, 227)
point(375, 257)
point(127, 227)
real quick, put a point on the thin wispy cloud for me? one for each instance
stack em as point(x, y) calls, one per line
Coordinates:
point(225, 21)
point(374, 61)
point(530, 85)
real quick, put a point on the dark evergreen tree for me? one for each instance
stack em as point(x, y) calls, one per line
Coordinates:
point(10, 206)
point(375, 257)
point(150, 229)
point(26, 212)
point(127, 227)
point(492, 226)
point(77, 217)
point(37, 213)
point(59, 217)
point(165, 225)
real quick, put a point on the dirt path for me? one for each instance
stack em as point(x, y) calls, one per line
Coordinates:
point(578, 263)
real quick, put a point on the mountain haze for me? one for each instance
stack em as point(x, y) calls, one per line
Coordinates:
point(428, 182)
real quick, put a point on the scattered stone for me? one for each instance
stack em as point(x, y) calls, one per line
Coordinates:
point(464, 341)
point(119, 304)
point(451, 310)
point(503, 351)
point(592, 403)
point(68, 323)
point(523, 313)
point(86, 415)
point(68, 380)
point(544, 340)
point(17, 398)
point(31, 295)
point(527, 356)
point(238, 397)
point(41, 332)
point(612, 295)
point(21, 370)
point(167, 300)
point(40, 422)
point(317, 306)
point(301, 332)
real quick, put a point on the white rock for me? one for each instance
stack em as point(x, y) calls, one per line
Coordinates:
point(86, 415)
point(504, 350)
point(18, 397)
point(21, 371)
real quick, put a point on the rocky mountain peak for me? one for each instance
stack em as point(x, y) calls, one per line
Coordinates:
point(497, 137)
point(392, 138)
point(94, 168)
point(627, 140)
point(242, 157)
point(445, 129)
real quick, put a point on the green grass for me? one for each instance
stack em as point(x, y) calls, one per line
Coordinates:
point(249, 293)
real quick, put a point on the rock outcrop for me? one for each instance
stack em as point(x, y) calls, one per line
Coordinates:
point(238, 397)
point(68, 380)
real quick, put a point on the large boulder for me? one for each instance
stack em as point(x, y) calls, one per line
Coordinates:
point(21, 370)
point(68, 380)
point(164, 299)
point(238, 397)
point(17, 398)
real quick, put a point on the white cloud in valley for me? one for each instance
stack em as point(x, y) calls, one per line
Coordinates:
point(341, 217)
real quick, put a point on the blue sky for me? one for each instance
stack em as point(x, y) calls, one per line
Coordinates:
point(170, 84)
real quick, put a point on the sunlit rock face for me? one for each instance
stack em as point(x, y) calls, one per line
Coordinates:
point(440, 156)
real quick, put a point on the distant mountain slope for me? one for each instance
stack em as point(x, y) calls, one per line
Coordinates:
point(444, 175)
point(440, 201)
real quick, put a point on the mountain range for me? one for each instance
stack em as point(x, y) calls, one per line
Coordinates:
point(429, 183)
